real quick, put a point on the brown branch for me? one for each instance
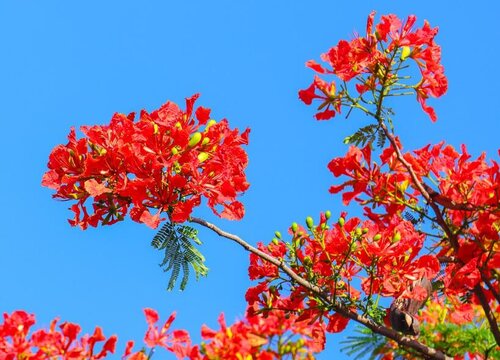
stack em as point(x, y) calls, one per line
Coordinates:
point(419, 185)
point(494, 291)
point(447, 259)
point(428, 352)
point(488, 312)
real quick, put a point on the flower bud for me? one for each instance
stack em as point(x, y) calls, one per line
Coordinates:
point(377, 237)
point(205, 141)
point(275, 241)
point(277, 234)
point(341, 221)
point(328, 214)
point(177, 167)
point(309, 222)
point(195, 139)
point(295, 227)
point(210, 123)
point(202, 156)
point(405, 52)
point(396, 237)
point(175, 151)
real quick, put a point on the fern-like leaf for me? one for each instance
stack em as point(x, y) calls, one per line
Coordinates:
point(381, 138)
point(415, 220)
point(368, 345)
point(364, 345)
point(178, 243)
point(367, 135)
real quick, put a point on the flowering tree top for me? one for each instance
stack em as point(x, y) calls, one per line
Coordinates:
point(428, 242)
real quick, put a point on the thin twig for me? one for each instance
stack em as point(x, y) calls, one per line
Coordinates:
point(418, 184)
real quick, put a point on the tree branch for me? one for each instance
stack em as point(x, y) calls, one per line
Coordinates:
point(440, 220)
point(419, 185)
point(428, 352)
point(488, 312)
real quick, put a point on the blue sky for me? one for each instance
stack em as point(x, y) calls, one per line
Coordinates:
point(76, 63)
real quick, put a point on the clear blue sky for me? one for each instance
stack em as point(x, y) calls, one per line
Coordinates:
point(72, 63)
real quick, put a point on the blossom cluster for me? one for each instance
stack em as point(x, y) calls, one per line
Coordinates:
point(275, 336)
point(466, 190)
point(354, 261)
point(348, 260)
point(62, 342)
point(431, 214)
point(373, 62)
point(163, 163)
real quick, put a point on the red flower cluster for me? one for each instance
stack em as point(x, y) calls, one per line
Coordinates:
point(380, 254)
point(372, 61)
point(255, 337)
point(276, 336)
point(468, 191)
point(164, 162)
point(177, 341)
point(15, 343)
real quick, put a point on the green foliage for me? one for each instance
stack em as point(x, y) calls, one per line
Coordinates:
point(180, 252)
point(367, 135)
point(373, 311)
point(460, 339)
point(451, 339)
point(415, 220)
point(365, 345)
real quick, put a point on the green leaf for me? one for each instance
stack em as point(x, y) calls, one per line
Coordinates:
point(367, 135)
point(180, 253)
point(364, 345)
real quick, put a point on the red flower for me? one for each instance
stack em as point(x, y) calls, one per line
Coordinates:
point(337, 323)
point(176, 341)
point(369, 62)
point(163, 163)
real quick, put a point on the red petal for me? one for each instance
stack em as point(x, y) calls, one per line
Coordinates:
point(325, 115)
point(95, 188)
point(151, 316)
point(202, 114)
point(337, 323)
point(233, 211)
point(315, 66)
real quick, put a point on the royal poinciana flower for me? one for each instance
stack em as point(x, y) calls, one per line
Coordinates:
point(373, 61)
point(275, 336)
point(164, 163)
point(59, 342)
point(348, 260)
point(176, 341)
point(467, 192)
point(386, 255)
